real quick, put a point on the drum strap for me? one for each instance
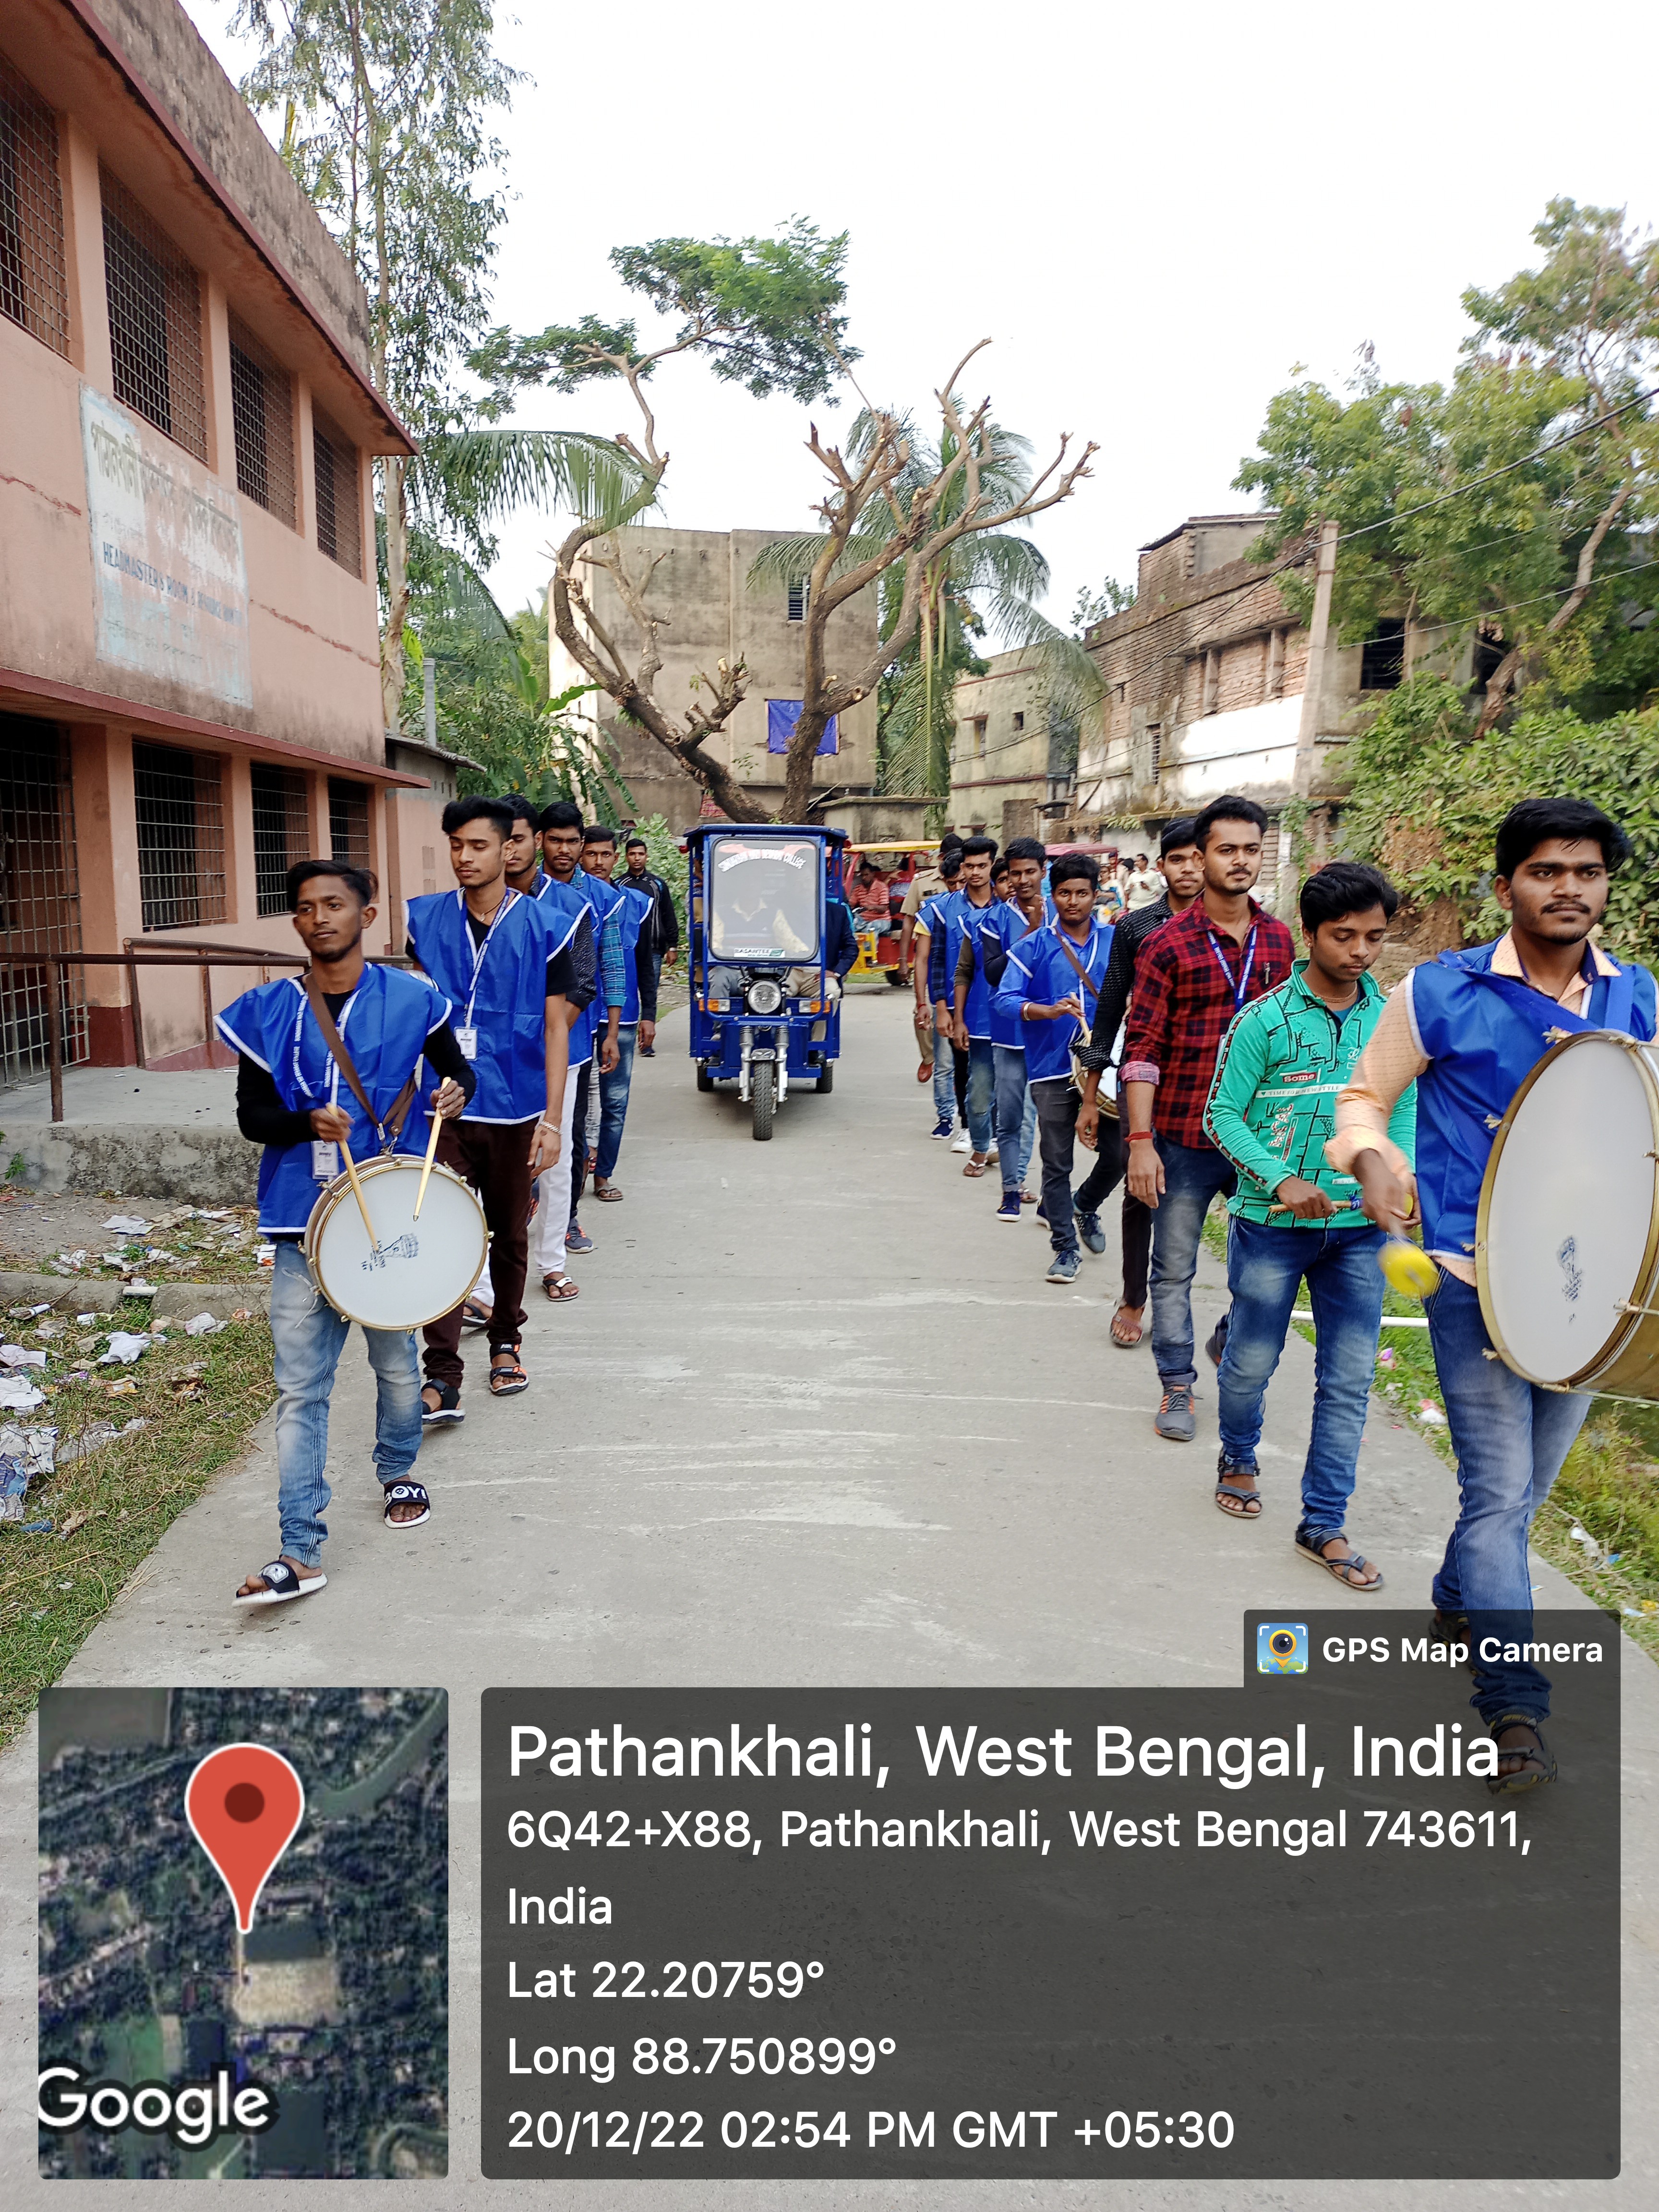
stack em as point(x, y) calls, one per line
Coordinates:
point(392, 1127)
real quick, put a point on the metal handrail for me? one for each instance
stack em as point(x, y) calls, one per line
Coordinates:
point(57, 962)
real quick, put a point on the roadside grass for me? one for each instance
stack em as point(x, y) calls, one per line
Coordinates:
point(200, 1398)
point(1608, 1488)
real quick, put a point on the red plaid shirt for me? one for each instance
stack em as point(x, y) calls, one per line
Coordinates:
point(1184, 1005)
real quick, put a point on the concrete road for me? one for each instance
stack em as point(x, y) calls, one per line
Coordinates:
point(816, 1417)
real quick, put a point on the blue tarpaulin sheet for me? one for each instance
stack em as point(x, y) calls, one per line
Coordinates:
point(781, 716)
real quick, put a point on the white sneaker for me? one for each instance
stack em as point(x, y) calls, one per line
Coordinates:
point(964, 1143)
point(990, 1156)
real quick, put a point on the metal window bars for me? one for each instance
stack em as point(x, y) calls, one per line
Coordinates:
point(339, 507)
point(154, 319)
point(33, 284)
point(39, 901)
point(181, 836)
point(262, 418)
point(347, 821)
point(282, 832)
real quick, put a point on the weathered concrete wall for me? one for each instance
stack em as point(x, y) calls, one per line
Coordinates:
point(699, 583)
point(199, 1167)
point(166, 48)
point(1007, 760)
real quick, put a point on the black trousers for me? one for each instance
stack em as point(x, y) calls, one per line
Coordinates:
point(1136, 1248)
point(959, 1076)
point(1057, 1103)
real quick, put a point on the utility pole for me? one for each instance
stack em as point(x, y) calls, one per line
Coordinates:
point(1312, 696)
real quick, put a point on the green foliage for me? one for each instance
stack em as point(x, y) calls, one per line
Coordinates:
point(1553, 352)
point(1091, 607)
point(762, 310)
point(1426, 802)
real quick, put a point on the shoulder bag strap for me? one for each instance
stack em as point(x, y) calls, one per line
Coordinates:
point(392, 1127)
point(1084, 977)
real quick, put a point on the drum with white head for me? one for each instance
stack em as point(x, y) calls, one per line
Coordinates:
point(1567, 1241)
point(413, 1271)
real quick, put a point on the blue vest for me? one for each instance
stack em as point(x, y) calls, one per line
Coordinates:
point(637, 909)
point(385, 1026)
point(1040, 974)
point(1482, 1035)
point(1001, 930)
point(508, 1000)
point(961, 916)
point(562, 899)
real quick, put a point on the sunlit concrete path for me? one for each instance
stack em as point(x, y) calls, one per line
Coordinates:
point(815, 1418)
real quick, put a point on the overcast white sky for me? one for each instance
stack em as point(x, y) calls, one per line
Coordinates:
point(1154, 212)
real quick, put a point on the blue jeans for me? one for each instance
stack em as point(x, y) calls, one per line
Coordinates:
point(1510, 1439)
point(1016, 1114)
point(1265, 1268)
point(1193, 1175)
point(945, 1076)
point(307, 1334)
point(981, 1090)
point(613, 1104)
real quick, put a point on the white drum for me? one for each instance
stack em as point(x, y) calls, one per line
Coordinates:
point(1567, 1245)
point(415, 1270)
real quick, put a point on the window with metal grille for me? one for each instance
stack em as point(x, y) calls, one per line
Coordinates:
point(347, 821)
point(154, 319)
point(799, 594)
point(339, 513)
point(181, 836)
point(262, 416)
point(33, 288)
point(282, 832)
point(1382, 657)
point(39, 896)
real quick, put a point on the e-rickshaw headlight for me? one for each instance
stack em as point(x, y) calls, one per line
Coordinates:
point(764, 996)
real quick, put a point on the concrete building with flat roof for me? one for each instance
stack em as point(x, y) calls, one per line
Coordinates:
point(189, 632)
point(697, 582)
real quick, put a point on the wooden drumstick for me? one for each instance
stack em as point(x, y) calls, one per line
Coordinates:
point(357, 1193)
point(431, 1154)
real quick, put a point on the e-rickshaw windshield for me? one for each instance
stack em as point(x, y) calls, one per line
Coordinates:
point(763, 898)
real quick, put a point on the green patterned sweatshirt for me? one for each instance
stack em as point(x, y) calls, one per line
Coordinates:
point(1272, 1103)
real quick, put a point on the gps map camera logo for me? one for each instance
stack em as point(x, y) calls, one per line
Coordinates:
point(1281, 1647)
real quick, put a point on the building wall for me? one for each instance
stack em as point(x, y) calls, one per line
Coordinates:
point(288, 673)
point(697, 582)
point(1000, 753)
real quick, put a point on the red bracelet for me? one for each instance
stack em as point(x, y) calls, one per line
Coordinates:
point(1136, 1135)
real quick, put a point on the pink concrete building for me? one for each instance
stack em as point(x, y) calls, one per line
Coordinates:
point(189, 660)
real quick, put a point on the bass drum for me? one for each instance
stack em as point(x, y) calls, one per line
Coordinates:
point(416, 1270)
point(1567, 1242)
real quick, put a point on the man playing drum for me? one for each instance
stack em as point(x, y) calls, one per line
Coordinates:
point(1468, 1028)
point(290, 1097)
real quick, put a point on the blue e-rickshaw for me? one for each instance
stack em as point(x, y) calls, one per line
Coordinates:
point(765, 1001)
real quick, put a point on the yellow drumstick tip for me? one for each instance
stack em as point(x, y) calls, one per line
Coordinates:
point(1407, 1268)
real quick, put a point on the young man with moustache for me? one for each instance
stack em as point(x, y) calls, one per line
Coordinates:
point(664, 933)
point(563, 832)
point(1294, 1219)
point(637, 1017)
point(970, 1015)
point(1182, 865)
point(525, 874)
point(501, 958)
point(1193, 978)
point(1024, 910)
point(1048, 982)
point(293, 1098)
point(1468, 1029)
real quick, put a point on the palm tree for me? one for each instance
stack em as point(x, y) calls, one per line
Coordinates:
point(987, 581)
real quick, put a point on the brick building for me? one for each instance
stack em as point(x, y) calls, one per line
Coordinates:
point(189, 657)
point(1204, 678)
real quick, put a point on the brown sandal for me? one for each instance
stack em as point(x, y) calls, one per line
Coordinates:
point(1127, 1343)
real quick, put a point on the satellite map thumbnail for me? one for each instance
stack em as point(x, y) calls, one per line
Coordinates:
point(335, 2004)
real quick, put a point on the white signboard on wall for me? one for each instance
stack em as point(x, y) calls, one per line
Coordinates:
point(168, 578)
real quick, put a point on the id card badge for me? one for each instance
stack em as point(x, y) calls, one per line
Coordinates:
point(467, 1038)
point(325, 1159)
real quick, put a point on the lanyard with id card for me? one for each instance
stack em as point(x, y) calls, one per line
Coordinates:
point(465, 1031)
point(1242, 985)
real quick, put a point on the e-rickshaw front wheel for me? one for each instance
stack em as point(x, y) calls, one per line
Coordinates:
point(826, 1078)
point(763, 1091)
point(705, 1078)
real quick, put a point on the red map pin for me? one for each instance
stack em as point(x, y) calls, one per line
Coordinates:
point(244, 1803)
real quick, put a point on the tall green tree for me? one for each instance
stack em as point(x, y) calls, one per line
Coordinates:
point(1493, 504)
point(388, 117)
